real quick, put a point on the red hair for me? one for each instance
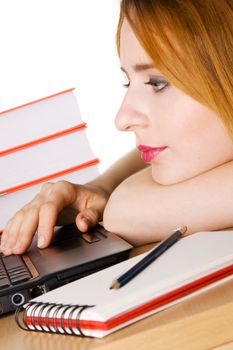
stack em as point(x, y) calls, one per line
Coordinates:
point(191, 43)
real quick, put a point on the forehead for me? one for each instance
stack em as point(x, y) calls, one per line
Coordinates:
point(131, 51)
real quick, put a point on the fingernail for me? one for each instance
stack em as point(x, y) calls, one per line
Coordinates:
point(17, 245)
point(86, 220)
point(7, 252)
point(5, 245)
point(41, 241)
point(3, 240)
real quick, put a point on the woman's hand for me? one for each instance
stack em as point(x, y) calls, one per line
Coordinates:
point(61, 203)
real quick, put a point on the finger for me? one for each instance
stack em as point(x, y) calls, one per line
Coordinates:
point(47, 221)
point(5, 233)
point(60, 195)
point(26, 231)
point(13, 226)
point(11, 232)
point(87, 219)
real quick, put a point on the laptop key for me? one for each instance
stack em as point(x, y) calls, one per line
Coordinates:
point(20, 278)
point(16, 273)
point(90, 237)
point(16, 269)
point(12, 262)
point(4, 282)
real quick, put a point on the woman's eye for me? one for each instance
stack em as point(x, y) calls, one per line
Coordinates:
point(126, 79)
point(157, 85)
point(126, 85)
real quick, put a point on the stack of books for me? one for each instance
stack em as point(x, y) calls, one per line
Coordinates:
point(44, 140)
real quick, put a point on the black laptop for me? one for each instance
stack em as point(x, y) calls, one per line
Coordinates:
point(70, 256)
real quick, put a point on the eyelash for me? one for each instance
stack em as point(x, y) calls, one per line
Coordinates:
point(154, 83)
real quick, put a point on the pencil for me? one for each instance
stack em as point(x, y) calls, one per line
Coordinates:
point(149, 258)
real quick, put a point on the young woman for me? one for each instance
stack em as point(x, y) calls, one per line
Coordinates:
point(177, 58)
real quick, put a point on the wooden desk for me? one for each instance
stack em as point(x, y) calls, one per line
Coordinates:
point(203, 322)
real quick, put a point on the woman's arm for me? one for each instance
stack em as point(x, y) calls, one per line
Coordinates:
point(65, 203)
point(143, 211)
point(119, 171)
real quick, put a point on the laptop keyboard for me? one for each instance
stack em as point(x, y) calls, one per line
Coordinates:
point(13, 270)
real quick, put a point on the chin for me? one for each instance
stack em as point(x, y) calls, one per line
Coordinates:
point(167, 176)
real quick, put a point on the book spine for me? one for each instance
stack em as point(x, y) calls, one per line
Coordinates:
point(78, 127)
point(49, 177)
point(36, 101)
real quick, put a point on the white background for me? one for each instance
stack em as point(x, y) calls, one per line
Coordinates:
point(49, 46)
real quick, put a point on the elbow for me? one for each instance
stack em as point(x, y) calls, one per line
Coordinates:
point(116, 219)
point(111, 216)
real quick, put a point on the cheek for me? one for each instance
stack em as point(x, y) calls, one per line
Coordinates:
point(201, 142)
point(196, 138)
point(193, 124)
point(188, 134)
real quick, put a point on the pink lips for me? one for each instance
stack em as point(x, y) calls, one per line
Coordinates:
point(150, 153)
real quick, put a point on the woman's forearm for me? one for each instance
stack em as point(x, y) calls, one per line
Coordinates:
point(119, 171)
point(142, 211)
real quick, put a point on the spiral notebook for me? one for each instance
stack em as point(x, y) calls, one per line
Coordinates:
point(88, 307)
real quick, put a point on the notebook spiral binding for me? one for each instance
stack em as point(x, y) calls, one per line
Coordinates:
point(46, 319)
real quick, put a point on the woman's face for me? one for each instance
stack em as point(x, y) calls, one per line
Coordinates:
point(176, 135)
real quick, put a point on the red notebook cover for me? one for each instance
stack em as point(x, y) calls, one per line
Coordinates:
point(136, 312)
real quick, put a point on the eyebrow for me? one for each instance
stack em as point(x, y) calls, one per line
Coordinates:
point(140, 67)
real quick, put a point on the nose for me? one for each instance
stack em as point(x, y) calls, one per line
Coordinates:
point(130, 115)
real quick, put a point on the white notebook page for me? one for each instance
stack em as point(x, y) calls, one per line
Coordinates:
point(192, 257)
